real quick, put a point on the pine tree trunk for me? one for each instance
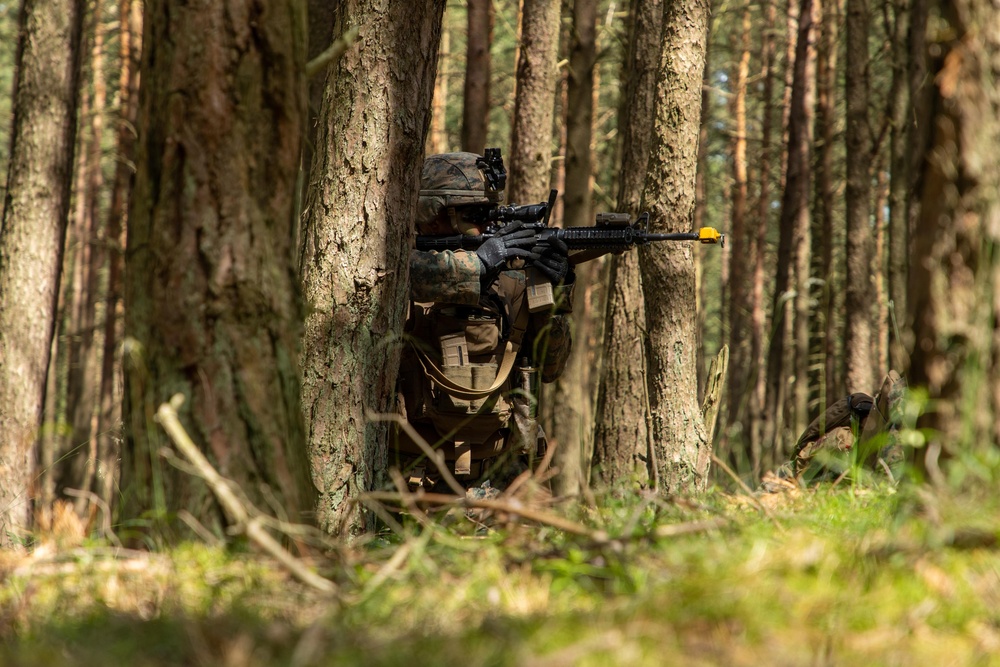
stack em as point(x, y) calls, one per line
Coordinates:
point(476, 107)
point(899, 181)
point(623, 451)
point(356, 241)
point(954, 270)
point(570, 409)
point(437, 137)
point(739, 283)
point(531, 131)
point(212, 302)
point(858, 290)
point(827, 381)
point(32, 237)
point(758, 251)
point(109, 422)
point(79, 463)
point(682, 449)
point(802, 126)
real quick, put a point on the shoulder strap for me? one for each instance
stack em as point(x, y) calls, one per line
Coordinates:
point(459, 390)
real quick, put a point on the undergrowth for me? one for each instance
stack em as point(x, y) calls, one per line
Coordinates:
point(846, 575)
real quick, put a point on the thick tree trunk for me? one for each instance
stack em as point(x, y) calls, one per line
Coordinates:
point(954, 269)
point(860, 367)
point(211, 297)
point(476, 107)
point(356, 244)
point(623, 451)
point(32, 236)
point(682, 449)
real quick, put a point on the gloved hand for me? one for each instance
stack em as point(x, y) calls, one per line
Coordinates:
point(512, 241)
point(551, 257)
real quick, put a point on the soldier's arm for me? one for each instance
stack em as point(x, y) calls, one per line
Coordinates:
point(445, 276)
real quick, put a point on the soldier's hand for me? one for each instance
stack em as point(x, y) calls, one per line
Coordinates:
point(551, 257)
point(511, 242)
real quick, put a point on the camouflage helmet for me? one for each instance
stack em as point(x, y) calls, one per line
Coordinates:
point(450, 181)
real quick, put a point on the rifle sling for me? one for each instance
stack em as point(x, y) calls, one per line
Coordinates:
point(459, 390)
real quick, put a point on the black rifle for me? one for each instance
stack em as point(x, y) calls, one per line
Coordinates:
point(614, 232)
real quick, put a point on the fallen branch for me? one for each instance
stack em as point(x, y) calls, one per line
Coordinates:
point(221, 487)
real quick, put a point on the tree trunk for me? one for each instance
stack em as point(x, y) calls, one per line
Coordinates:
point(109, 421)
point(682, 449)
point(476, 107)
point(437, 137)
point(954, 270)
point(825, 379)
point(531, 131)
point(899, 181)
point(623, 451)
point(211, 296)
point(794, 217)
point(571, 419)
point(32, 237)
point(78, 464)
point(805, 109)
point(356, 244)
point(858, 292)
point(739, 283)
point(758, 251)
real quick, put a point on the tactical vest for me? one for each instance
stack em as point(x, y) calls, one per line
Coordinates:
point(464, 385)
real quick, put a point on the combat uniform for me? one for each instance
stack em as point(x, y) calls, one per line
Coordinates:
point(469, 372)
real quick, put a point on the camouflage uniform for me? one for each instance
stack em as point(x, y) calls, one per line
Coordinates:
point(461, 338)
point(870, 424)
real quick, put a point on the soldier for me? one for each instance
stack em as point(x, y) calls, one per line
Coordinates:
point(476, 342)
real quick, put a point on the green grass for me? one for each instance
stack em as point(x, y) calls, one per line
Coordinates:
point(846, 576)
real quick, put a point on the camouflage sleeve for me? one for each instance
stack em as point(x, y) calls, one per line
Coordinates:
point(444, 277)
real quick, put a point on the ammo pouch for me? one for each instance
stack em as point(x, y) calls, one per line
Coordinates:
point(468, 373)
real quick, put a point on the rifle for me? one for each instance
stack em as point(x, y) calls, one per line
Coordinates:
point(614, 232)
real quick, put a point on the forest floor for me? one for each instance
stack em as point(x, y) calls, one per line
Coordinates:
point(845, 575)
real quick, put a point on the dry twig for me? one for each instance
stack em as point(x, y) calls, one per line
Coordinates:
point(253, 527)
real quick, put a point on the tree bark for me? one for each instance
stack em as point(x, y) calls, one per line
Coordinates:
point(794, 217)
point(476, 107)
point(212, 303)
point(623, 450)
point(110, 418)
point(827, 381)
point(859, 369)
point(954, 270)
point(682, 449)
point(534, 100)
point(570, 415)
point(739, 283)
point(356, 244)
point(32, 236)
point(78, 463)
point(759, 252)
point(899, 181)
